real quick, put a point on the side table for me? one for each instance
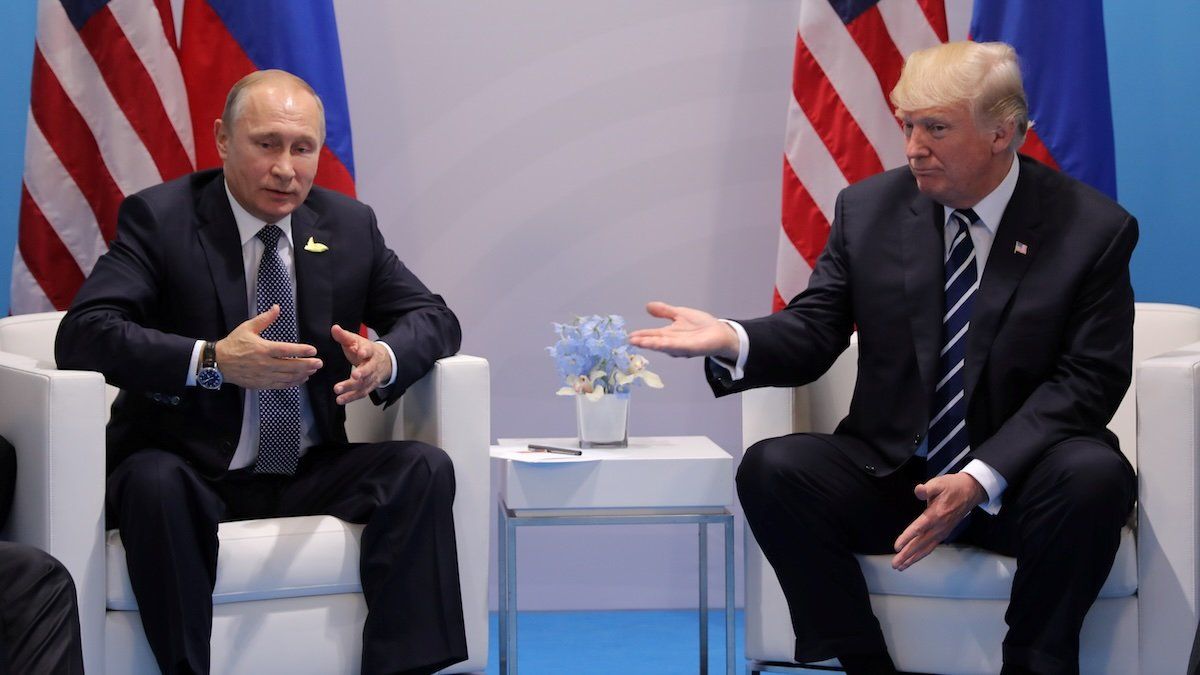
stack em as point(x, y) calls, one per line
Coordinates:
point(656, 480)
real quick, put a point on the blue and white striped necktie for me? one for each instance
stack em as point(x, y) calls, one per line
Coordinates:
point(948, 441)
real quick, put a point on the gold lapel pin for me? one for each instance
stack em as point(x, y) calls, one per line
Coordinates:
point(315, 246)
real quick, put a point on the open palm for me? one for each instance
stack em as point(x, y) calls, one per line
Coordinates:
point(692, 332)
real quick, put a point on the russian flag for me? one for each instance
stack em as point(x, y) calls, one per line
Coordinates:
point(1065, 68)
point(223, 40)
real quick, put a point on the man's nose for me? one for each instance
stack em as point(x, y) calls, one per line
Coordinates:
point(282, 167)
point(914, 145)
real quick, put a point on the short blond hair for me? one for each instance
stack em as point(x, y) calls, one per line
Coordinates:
point(233, 102)
point(985, 75)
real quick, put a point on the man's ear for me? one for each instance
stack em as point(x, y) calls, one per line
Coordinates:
point(221, 135)
point(1002, 136)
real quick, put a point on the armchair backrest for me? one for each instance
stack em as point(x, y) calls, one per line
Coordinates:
point(33, 335)
point(1157, 328)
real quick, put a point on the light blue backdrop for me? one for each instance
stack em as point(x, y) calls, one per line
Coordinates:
point(1156, 110)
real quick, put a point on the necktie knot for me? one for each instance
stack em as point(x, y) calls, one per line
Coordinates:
point(965, 217)
point(270, 235)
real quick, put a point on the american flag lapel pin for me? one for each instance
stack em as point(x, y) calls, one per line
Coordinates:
point(1021, 248)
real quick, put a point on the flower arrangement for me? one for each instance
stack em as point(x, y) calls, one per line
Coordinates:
point(594, 358)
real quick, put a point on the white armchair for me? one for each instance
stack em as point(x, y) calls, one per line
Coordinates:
point(946, 614)
point(287, 597)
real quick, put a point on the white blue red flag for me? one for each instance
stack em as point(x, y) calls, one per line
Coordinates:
point(223, 40)
point(119, 104)
point(1064, 63)
point(841, 127)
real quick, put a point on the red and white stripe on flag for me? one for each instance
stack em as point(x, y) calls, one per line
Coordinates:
point(841, 127)
point(108, 116)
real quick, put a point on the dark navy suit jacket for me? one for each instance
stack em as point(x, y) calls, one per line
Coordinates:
point(174, 274)
point(1049, 352)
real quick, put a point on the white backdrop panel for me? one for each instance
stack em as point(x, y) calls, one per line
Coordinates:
point(536, 159)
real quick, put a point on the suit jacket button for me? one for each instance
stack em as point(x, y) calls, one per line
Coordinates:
point(869, 468)
point(174, 400)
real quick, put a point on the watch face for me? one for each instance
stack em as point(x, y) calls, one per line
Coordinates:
point(209, 378)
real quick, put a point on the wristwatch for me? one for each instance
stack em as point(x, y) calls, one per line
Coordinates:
point(208, 376)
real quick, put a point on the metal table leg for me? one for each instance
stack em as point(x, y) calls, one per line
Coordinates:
point(506, 542)
point(703, 599)
point(502, 588)
point(729, 598)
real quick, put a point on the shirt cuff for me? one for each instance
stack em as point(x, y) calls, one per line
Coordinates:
point(737, 369)
point(392, 356)
point(991, 480)
point(193, 365)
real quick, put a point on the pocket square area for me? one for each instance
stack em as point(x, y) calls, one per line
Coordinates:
point(315, 246)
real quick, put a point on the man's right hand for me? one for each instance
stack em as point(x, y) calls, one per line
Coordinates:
point(249, 361)
point(692, 332)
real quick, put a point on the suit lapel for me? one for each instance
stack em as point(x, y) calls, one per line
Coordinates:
point(1020, 228)
point(923, 249)
point(222, 248)
point(314, 281)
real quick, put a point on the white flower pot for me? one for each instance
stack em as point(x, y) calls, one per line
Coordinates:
point(603, 423)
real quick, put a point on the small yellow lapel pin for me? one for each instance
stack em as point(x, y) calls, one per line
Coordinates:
point(315, 246)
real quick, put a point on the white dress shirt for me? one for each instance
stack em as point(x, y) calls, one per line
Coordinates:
point(252, 251)
point(989, 209)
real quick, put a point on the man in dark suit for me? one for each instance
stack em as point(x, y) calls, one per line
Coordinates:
point(994, 312)
point(227, 312)
point(39, 615)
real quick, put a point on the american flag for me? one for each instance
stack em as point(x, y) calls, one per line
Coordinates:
point(841, 127)
point(108, 116)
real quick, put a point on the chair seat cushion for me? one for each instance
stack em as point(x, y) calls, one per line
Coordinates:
point(960, 571)
point(262, 559)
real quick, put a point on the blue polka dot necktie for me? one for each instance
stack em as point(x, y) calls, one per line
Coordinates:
point(278, 409)
point(948, 441)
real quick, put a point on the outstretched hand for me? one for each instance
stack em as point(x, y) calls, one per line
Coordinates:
point(251, 362)
point(371, 365)
point(692, 332)
point(949, 499)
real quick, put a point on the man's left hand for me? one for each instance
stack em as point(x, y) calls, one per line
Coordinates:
point(949, 499)
point(370, 361)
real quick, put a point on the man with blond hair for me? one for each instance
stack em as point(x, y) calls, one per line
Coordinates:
point(227, 311)
point(994, 312)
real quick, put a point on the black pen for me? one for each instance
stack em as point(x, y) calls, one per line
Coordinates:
point(557, 451)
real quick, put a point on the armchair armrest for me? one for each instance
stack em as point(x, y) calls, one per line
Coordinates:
point(1168, 440)
point(55, 420)
point(450, 408)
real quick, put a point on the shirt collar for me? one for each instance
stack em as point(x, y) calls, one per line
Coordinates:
point(248, 226)
point(991, 208)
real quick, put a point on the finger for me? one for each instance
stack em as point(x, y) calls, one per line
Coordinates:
point(290, 350)
point(668, 346)
point(914, 552)
point(662, 310)
point(344, 337)
point(647, 333)
point(348, 391)
point(922, 492)
point(914, 530)
point(260, 322)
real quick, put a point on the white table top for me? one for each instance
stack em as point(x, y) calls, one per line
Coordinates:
point(662, 472)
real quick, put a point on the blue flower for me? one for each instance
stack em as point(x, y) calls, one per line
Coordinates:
point(593, 355)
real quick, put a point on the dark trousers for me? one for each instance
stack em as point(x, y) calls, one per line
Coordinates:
point(811, 509)
point(39, 616)
point(403, 491)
